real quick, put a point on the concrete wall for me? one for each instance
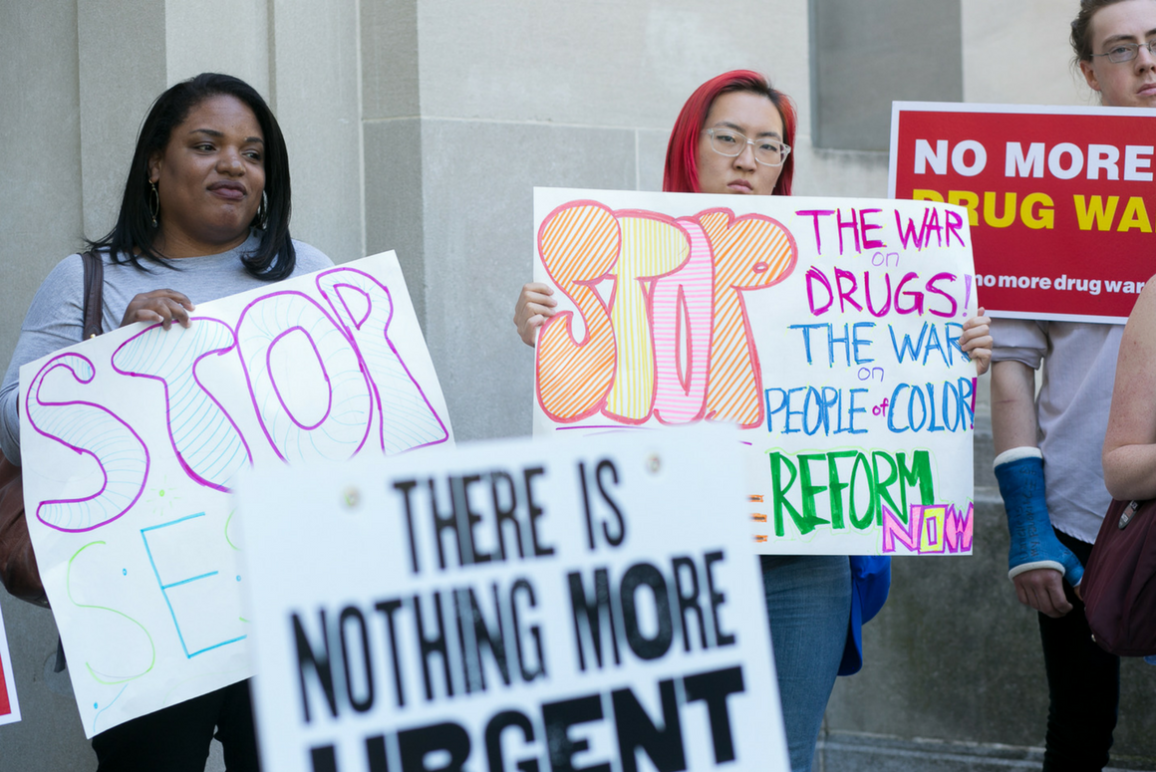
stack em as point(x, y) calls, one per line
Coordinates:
point(1028, 38)
point(916, 43)
point(422, 126)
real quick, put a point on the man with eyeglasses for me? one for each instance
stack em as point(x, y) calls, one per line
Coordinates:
point(1053, 518)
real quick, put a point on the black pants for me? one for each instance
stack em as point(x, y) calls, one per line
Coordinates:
point(1083, 685)
point(176, 739)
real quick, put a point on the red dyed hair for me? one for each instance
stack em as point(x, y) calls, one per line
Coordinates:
point(681, 168)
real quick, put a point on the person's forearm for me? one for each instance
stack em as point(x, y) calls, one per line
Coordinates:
point(1013, 406)
point(1036, 558)
point(1128, 472)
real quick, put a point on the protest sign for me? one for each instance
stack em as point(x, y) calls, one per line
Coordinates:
point(512, 605)
point(1057, 199)
point(131, 443)
point(9, 706)
point(828, 329)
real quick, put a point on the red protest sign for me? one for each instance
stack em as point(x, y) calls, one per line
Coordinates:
point(1061, 200)
point(9, 705)
point(5, 704)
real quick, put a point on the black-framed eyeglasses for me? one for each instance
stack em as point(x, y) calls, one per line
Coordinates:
point(731, 143)
point(1126, 52)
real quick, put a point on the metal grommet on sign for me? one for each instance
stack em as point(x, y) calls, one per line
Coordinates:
point(351, 497)
point(653, 463)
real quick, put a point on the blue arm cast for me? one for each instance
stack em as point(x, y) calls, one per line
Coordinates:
point(1020, 473)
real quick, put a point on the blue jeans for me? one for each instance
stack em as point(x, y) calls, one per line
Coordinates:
point(808, 607)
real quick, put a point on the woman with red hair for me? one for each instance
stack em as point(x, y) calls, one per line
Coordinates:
point(734, 136)
point(725, 94)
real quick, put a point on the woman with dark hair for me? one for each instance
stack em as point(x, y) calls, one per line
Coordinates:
point(1047, 443)
point(734, 136)
point(205, 212)
point(141, 230)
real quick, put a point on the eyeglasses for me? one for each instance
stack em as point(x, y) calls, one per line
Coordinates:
point(1126, 52)
point(728, 142)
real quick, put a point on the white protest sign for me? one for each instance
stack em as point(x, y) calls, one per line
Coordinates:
point(512, 605)
point(9, 705)
point(828, 329)
point(131, 443)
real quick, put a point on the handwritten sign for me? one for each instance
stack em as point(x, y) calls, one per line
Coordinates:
point(9, 705)
point(133, 441)
point(828, 329)
point(564, 606)
point(1059, 200)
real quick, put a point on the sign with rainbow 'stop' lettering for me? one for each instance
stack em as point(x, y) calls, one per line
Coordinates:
point(828, 329)
point(1060, 200)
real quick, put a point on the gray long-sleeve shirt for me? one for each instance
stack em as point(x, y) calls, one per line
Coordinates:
point(56, 317)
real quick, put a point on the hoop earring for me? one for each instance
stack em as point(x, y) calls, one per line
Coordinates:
point(263, 212)
point(154, 203)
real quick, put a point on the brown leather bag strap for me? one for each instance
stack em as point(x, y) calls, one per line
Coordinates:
point(93, 293)
point(18, 570)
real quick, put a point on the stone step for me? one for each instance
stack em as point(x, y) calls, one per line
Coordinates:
point(853, 752)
